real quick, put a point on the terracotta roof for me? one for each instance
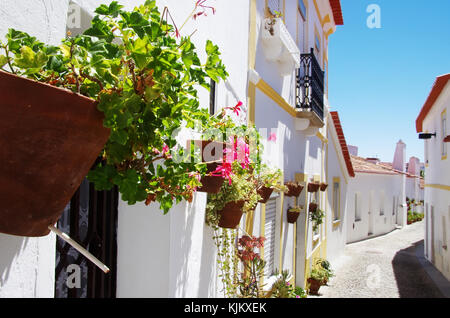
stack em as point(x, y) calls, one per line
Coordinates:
point(337, 12)
point(363, 166)
point(343, 143)
point(438, 86)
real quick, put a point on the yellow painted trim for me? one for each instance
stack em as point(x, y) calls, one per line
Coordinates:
point(281, 232)
point(318, 12)
point(272, 94)
point(330, 32)
point(438, 186)
point(322, 137)
point(336, 224)
point(444, 157)
point(249, 220)
point(325, 20)
point(252, 62)
point(301, 177)
point(337, 180)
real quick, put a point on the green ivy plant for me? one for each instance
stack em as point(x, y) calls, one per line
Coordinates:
point(144, 75)
point(316, 218)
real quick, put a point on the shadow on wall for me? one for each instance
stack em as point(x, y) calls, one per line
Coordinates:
point(10, 247)
point(412, 280)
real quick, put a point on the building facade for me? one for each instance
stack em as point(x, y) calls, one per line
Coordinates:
point(433, 125)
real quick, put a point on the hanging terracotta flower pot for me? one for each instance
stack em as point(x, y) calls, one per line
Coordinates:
point(211, 184)
point(323, 186)
point(212, 152)
point(292, 215)
point(230, 215)
point(313, 186)
point(312, 207)
point(50, 139)
point(265, 193)
point(294, 189)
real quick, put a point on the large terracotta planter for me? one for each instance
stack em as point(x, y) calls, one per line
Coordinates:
point(313, 187)
point(265, 194)
point(50, 138)
point(230, 215)
point(292, 216)
point(294, 189)
point(314, 286)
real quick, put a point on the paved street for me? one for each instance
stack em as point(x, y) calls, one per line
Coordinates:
point(383, 267)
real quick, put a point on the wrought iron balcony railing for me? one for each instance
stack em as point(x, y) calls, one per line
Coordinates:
point(310, 85)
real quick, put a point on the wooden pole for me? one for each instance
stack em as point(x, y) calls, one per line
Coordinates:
point(79, 248)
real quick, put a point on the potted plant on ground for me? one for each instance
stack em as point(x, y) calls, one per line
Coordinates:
point(293, 213)
point(282, 288)
point(143, 84)
point(319, 276)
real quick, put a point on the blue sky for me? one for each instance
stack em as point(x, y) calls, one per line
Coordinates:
point(379, 79)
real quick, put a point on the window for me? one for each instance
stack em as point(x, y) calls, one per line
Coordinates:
point(269, 244)
point(357, 207)
point(336, 200)
point(302, 9)
point(444, 133)
point(382, 203)
point(394, 205)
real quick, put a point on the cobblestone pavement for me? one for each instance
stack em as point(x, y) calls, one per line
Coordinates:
point(382, 267)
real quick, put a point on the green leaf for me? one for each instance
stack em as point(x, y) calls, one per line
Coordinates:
point(120, 136)
point(102, 177)
point(3, 60)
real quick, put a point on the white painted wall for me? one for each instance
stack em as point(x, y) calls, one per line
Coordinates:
point(364, 184)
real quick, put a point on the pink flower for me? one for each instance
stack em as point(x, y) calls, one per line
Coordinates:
point(236, 109)
point(272, 137)
point(224, 170)
point(201, 4)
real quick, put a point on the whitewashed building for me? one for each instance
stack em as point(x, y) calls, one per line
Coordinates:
point(377, 196)
point(173, 255)
point(432, 123)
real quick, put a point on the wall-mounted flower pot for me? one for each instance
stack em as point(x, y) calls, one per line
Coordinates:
point(313, 187)
point(292, 216)
point(265, 194)
point(211, 184)
point(312, 207)
point(50, 138)
point(314, 286)
point(294, 189)
point(323, 186)
point(230, 215)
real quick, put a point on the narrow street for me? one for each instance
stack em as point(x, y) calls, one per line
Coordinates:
point(383, 267)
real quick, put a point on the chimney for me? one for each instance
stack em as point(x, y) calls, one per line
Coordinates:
point(399, 157)
point(353, 150)
point(414, 166)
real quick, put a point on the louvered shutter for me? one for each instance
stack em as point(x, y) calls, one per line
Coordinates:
point(269, 245)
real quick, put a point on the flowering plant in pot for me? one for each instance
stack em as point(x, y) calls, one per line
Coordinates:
point(282, 288)
point(267, 181)
point(319, 276)
point(141, 75)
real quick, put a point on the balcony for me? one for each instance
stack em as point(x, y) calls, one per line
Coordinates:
point(310, 92)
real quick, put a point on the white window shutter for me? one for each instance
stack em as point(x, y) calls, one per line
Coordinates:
point(269, 245)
